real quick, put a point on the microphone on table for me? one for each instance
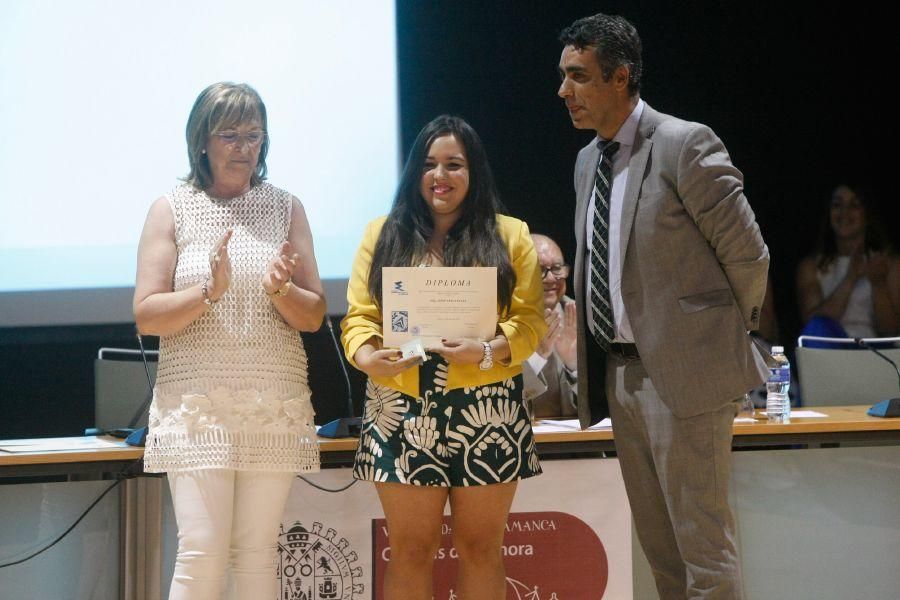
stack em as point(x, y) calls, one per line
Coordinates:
point(891, 406)
point(138, 437)
point(349, 426)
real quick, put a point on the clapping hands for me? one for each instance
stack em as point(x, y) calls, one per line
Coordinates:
point(219, 267)
point(280, 269)
point(561, 335)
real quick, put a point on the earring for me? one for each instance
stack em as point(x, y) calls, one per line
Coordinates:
point(203, 151)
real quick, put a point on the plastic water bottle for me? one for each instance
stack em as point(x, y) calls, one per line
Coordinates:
point(778, 404)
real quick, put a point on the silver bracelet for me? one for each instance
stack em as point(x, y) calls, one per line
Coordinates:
point(204, 289)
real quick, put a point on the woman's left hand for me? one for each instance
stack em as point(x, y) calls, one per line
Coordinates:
point(280, 269)
point(460, 351)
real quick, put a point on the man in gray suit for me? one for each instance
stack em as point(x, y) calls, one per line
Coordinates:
point(549, 375)
point(670, 272)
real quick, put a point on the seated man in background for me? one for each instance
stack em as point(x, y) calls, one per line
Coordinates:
point(549, 374)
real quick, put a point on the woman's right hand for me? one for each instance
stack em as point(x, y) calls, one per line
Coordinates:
point(385, 362)
point(219, 267)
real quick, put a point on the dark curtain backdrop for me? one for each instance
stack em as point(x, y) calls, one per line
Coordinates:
point(795, 93)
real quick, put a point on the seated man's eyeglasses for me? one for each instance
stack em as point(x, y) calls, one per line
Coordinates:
point(558, 270)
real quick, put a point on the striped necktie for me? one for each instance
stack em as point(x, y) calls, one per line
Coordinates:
point(603, 328)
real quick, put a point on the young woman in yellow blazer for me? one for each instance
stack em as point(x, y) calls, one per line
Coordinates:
point(455, 427)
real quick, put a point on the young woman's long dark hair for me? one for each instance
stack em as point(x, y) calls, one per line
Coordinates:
point(472, 241)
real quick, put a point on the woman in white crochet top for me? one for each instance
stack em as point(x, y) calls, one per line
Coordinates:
point(850, 286)
point(226, 277)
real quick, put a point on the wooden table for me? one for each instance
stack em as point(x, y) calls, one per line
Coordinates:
point(842, 424)
point(74, 463)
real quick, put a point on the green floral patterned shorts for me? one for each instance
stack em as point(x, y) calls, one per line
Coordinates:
point(460, 437)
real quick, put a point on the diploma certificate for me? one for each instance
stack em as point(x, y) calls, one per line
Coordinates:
point(431, 303)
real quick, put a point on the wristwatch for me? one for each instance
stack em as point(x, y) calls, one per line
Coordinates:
point(487, 361)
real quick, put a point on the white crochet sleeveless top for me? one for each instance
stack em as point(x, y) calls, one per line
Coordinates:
point(858, 319)
point(231, 389)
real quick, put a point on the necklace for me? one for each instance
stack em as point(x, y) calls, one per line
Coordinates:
point(435, 258)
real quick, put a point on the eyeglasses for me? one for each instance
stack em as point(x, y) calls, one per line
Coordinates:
point(231, 138)
point(559, 271)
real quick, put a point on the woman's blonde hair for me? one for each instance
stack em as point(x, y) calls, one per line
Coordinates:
point(222, 106)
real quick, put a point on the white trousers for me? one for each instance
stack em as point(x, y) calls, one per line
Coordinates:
point(224, 517)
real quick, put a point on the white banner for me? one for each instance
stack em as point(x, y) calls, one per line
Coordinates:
point(568, 538)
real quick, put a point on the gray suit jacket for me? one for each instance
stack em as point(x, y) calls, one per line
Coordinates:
point(550, 393)
point(693, 272)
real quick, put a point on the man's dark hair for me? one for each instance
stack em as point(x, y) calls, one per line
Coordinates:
point(615, 42)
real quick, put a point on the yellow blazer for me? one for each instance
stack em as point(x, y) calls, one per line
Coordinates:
point(523, 325)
